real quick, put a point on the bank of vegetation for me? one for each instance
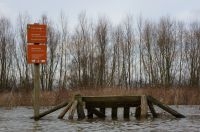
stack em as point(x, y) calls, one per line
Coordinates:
point(170, 96)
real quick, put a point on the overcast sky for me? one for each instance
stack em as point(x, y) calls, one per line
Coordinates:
point(115, 10)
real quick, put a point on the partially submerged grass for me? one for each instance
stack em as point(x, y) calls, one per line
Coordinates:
point(177, 96)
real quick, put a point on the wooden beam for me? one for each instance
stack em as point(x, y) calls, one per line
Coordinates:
point(152, 109)
point(65, 110)
point(112, 99)
point(105, 104)
point(165, 107)
point(98, 113)
point(72, 110)
point(51, 110)
point(144, 108)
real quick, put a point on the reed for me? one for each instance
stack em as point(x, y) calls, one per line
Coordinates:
point(170, 96)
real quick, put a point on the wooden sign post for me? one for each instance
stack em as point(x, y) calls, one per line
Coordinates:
point(36, 105)
point(36, 54)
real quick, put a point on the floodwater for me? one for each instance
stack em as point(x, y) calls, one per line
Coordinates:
point(18, 120)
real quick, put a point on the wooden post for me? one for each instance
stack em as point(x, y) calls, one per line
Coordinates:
point(89, 113)
point(137, 111)
point(36, 53)
point(152, 109)
point(36, 91)
point(144, 107)
point(103, 110)
point(126, 112)
point(80, 110)
point(141, 111)
point(114, 113)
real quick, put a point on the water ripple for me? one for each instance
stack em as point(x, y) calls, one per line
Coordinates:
point(18, 119)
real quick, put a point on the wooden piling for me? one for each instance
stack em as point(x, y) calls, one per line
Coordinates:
point(65, 110)
point(102, 110)
point(165, 107)
point(126, 112)
point(80, 110)
point(144, 107)
point(89, 113)
point(152, 109)
point(36, 99)
point(114, 113)
point(72, 110)
point(137, 112)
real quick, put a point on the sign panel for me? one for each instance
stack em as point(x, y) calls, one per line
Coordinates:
point(37, 53)
point(36, 33)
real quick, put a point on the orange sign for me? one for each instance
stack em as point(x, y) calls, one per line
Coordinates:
point(37, 33)
point(37, 53)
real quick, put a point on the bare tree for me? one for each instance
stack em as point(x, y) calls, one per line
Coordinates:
point(180, 48)
point(102, 42)
point(7, 47)
point(81, 49)
point(192, 49)
point(148, 57)
point(48, 76)
point(117, 56)
point(23, 67)
point(63, 52)
point(129, 40)
point(140, 28)
point(166, 47)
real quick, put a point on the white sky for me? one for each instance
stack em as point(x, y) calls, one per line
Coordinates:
point(115, 10)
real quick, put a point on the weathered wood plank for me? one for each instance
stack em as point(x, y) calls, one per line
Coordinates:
point(144, 108)
point(80, 110)
point(114, 113)
point(111, 99)
point(165, 107)
point(137, 112)
point(36, 91)
point(72, 110)
point(62, 114)
point(103, 110)
point(152, 109)
point(51, 110)
point(126, 112)
point(89, 113)
point(111, 104)
point(98, 113)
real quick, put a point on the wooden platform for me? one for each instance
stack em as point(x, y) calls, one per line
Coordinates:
point(97, 105)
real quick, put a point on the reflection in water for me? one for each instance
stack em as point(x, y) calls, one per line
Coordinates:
point(18, 119)
point(36, 126)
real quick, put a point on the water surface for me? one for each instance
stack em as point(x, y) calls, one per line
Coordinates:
point(18, 120)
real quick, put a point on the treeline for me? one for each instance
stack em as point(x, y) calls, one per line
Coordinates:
point(135, 53)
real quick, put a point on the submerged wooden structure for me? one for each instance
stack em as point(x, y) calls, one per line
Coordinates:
point(97, 105)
